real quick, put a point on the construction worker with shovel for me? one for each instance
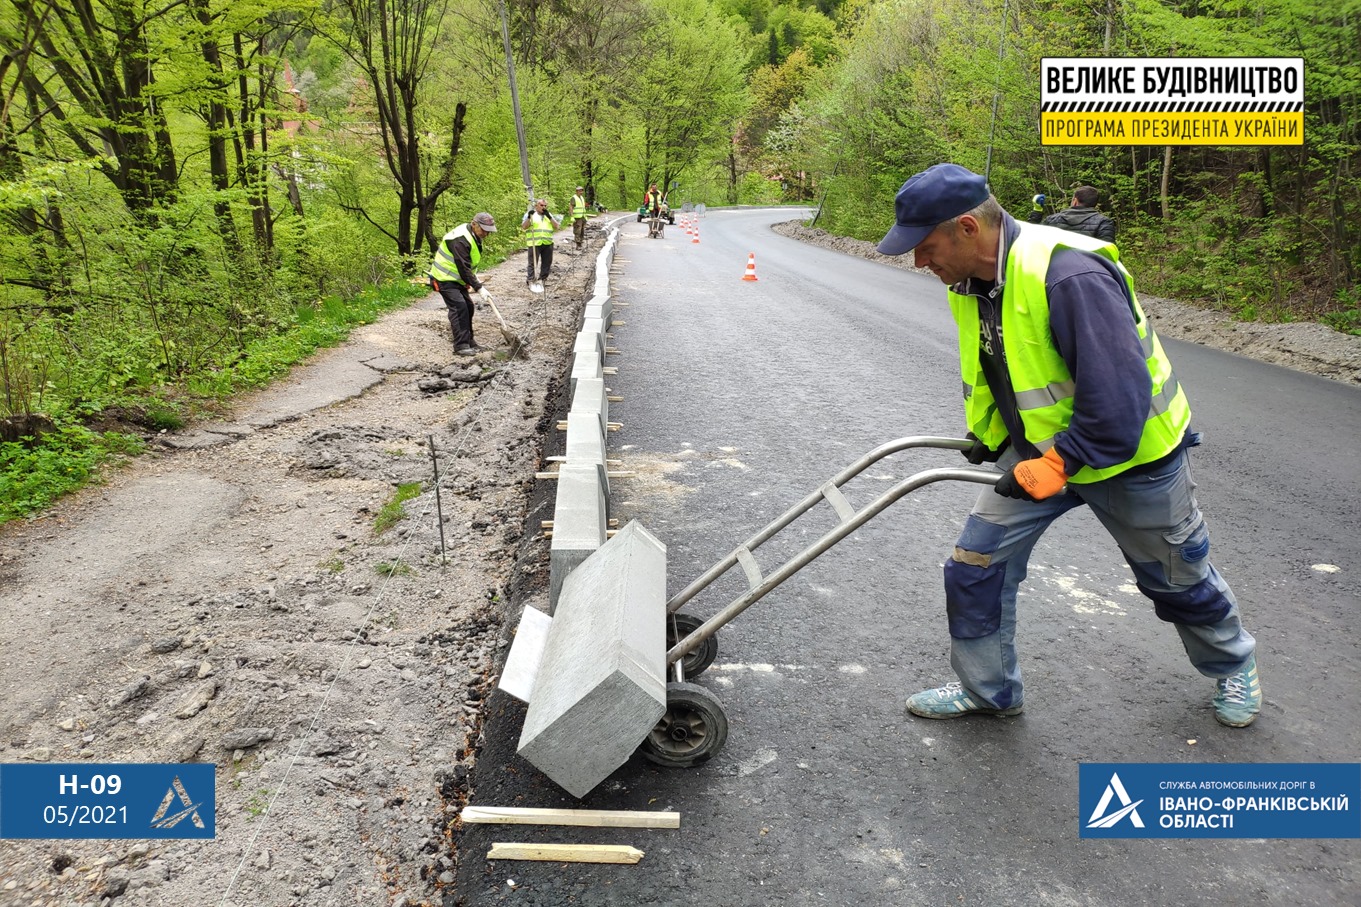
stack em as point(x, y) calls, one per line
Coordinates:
point(539, 225)
point(453, 273)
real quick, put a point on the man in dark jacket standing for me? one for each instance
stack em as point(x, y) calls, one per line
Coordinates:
point(1083, 217)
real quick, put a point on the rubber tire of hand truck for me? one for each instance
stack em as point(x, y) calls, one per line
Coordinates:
point(679, 626)
point(692, 730)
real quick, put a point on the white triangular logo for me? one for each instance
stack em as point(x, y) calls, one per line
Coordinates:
point(190, 811)
point(1115, 790)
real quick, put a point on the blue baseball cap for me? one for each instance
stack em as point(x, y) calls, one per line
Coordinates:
point(928, 200)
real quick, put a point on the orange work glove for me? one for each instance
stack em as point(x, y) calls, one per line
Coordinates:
point(1034, 480)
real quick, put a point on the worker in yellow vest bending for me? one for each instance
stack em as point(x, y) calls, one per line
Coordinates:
point(453, 274)
point(1068, 389)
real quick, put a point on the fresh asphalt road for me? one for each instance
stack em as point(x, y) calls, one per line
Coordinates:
point(740, 397)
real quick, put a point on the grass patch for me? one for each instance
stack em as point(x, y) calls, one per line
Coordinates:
point(163, 416)
point(395, 510)
point(393, 568)
point(257, 805)
point(314, 327)
point(36, 472)
point(33, 475)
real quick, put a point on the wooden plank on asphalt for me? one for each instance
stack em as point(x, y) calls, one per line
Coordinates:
point(566, 853)
point(595, 818)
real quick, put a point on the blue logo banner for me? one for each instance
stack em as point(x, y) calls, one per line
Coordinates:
point(111, 800)
point(1234, 800)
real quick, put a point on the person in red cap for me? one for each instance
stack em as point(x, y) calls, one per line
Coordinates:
point(453, 274)
point(1069, 391)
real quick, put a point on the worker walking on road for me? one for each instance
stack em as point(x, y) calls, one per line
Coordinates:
point(577, 212)
point(653, 199)
point(1069, 391)
point(453, 274)
point(539, 225)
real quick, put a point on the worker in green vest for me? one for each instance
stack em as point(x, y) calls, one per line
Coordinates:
point(453, 274)
point(577, 213)
point(539, 225)
point(1068, 389)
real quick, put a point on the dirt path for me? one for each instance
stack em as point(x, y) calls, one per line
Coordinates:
point(229, 599)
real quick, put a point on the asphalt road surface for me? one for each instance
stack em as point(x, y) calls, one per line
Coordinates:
point(740, 397)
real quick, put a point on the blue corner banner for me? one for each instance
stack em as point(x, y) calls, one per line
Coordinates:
point(110, 800)
point(1233, 800)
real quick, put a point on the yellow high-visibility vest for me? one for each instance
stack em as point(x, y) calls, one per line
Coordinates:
point(1043, 385)
point(443, 267)
point(540, 231)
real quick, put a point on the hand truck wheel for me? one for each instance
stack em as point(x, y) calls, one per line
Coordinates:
point(693, 729)
point(679, 626)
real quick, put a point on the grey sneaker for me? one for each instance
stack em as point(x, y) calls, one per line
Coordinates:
point(465, 351)
point(1238, 697)
point(953, 701)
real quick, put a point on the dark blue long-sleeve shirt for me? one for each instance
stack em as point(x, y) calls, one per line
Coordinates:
point(1091, 321)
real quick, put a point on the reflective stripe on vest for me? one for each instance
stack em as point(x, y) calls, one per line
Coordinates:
point(443, 267)
point(1043, 386)
point(578, 208)
point(540, 232)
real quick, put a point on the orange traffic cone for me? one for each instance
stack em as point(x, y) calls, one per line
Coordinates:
point(696, 239)
point(751, 267)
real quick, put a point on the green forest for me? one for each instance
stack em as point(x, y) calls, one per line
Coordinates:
point(196, 194)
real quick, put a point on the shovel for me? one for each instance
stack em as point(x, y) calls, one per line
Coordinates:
point(512, 336)
point(535, 286)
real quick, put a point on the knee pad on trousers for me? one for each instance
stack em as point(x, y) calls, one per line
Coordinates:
point(1203, 603)
point(973, 598)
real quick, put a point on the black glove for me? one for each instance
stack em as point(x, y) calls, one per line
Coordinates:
point(981, 453)
point(1008, 487)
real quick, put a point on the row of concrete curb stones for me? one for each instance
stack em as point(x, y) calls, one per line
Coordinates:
point(592, 670)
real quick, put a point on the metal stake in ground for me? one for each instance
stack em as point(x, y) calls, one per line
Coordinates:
point(439, 508)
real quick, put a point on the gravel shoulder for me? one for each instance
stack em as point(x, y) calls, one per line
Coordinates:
point(1305, 347)
point(229, 598)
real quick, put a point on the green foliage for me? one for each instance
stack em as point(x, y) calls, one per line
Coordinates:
point(393, 511)
point(33, 475)
point(1346, 315)
point(1264, 232)
point(316, 326)
point(196, 223)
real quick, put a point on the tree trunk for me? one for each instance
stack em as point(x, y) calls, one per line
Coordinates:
point(1166, 179)
point(102, 59)
point(392, 46)
point(261, 219)
point(425, 216)
point(217, 130)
